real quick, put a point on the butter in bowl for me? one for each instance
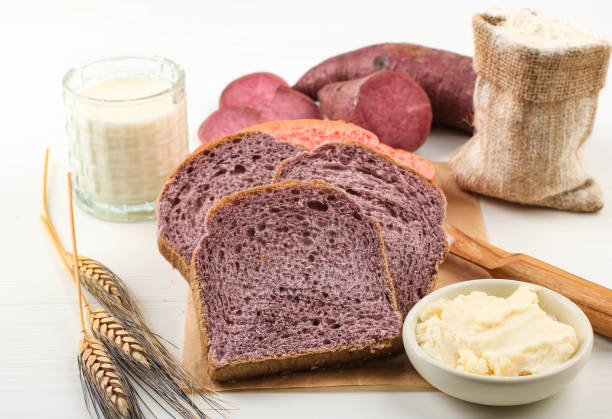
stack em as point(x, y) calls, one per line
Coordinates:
point(497, 341)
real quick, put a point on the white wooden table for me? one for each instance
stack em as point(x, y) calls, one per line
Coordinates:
point(41, 40)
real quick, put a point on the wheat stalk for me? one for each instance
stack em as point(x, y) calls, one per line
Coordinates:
point(121, 331)
point(103, 386)
point(107, 287)
point(106, 389)
point(138, 354)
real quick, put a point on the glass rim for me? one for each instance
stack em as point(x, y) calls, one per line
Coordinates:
point(70, 73)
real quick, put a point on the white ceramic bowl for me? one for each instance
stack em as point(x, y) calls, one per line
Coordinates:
point(500, 391)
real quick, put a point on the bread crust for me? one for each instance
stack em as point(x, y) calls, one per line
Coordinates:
point(299, 361)
point(172, 256)
point(165, 248)
point(390, 159)
point(370, 149)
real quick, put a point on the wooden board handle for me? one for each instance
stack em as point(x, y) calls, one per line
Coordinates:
point(595, 300)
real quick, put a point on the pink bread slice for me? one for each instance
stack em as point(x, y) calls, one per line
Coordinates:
point(292, 277)
point(310, 133)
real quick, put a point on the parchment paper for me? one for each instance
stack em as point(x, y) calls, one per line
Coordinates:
point(395, 372)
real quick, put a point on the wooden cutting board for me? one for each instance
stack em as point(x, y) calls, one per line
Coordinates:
point(463, 211)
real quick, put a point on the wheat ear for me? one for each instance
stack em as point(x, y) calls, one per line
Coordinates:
point(107, 391)
point(101, 381)
point(128, 354)
point(121, 329)
point(97, 278)
point(100, 321)
point(92, 272)
point(108, 334)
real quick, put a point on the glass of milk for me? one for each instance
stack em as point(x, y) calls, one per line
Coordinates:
point(127, 131)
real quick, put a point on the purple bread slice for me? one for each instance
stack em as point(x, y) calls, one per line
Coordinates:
point(291, 277)
point(409, 208)
point(222, 168)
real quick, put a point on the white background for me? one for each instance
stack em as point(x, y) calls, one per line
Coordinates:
point(217, 42)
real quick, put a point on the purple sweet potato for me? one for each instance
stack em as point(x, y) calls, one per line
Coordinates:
point(447, 78)
point(254, 99)
point(288, 104)
point(226, 121)
point(254, 90)
point(389, 103)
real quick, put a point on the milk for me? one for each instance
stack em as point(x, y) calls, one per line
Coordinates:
point(126, 136)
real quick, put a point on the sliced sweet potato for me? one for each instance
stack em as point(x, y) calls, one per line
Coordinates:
point(256, 98)
point(288, 104)
point(254, 90)
point(389, 103)
point(226, 121)
point(448, 78)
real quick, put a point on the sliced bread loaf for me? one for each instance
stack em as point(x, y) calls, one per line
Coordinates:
point(310, 133)
point(290, 277)
point(409, 208)
point(223, 167)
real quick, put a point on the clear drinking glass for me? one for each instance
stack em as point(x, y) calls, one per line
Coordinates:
point(127, 131)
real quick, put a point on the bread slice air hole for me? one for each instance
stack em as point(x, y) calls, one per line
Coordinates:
point(219, 172)
point(317, 205)
point(239, 169)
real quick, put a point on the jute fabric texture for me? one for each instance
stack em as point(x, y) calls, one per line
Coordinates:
point(533, 111)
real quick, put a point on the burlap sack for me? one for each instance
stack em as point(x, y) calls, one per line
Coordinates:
point(534, 110)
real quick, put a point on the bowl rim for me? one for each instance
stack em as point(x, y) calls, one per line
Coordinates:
point(409, 338)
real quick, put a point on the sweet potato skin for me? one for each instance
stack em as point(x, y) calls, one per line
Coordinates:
point(447, 78)
point(389, 103)
point(256, 98)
